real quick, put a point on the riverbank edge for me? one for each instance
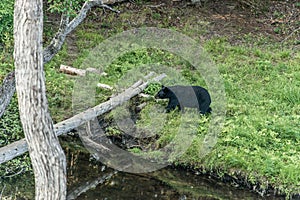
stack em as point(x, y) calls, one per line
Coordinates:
point(238, 181)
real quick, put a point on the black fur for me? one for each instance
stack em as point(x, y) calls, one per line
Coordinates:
point(186, 96)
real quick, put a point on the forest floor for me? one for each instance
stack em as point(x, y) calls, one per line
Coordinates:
point(276, 21)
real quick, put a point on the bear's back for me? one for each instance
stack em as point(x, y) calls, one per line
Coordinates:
point(190, 96)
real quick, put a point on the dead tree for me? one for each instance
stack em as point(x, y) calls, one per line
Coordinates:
point(47, 157)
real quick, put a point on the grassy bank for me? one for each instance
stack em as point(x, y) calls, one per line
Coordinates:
point(260, 141)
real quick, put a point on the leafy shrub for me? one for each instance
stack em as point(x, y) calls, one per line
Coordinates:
point(6, 21)
point(153, 88)
point(62, 6)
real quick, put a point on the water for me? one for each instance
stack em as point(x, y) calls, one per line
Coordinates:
point(166, 184)
point(85, 175)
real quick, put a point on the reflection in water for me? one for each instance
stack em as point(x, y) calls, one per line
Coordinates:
point(166, 184)
point(89, 180)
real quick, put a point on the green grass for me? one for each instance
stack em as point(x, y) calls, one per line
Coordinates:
point(261, 134)
point(260, 141)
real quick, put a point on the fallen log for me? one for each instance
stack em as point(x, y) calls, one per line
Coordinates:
point(104, 86)
point(79, 72)
point(17, 148)
point(72, 71)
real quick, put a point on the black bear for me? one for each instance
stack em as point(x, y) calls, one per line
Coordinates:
point(186, 96)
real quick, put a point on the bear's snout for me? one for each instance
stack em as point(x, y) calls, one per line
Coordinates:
point(160, 95)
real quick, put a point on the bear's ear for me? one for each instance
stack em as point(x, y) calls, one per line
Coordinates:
point(164, 88)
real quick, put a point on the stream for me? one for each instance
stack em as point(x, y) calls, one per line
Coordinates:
point(88, 179)
point(169, 183)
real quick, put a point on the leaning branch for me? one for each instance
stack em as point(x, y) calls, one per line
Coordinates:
point(66, 27)
point(57, 41)
point(18, 148)
point(7, 90)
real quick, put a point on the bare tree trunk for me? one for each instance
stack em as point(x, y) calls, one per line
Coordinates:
point(47, 156)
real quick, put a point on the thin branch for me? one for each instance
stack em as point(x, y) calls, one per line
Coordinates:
point(2, 191)
point(15, 174)
point(57, 41)
point(66, 27)
point(112, 1)
point(110, 8)
point(82, 14)
point(290, 35)
point(156, 6)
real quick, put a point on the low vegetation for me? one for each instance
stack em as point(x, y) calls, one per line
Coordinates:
point(260, 143)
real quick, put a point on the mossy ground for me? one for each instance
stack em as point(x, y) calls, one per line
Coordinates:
point(258, 61)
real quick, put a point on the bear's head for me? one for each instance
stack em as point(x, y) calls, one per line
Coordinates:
point(163, 93)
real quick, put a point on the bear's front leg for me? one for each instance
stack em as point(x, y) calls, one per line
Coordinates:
point(170, 108)
point(204, 108)
point(171, 105)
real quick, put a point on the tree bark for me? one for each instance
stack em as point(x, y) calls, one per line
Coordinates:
point(47, 156)
point(7, 90)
